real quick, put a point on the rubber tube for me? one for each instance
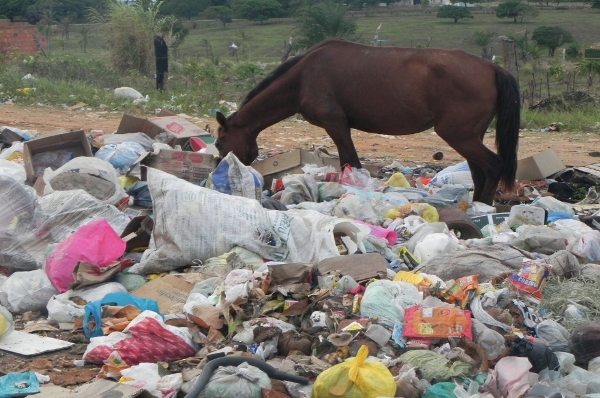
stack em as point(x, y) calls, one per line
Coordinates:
point(209, 368)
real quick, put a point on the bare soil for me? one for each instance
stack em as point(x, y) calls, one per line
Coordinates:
point(413, 150)
point(572, 147)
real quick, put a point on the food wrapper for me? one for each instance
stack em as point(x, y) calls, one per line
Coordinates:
point(462, 291)
point(437, 322)
point(530, 280)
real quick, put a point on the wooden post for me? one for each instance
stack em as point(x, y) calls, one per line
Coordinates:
point(161, 52)
point(509, 56)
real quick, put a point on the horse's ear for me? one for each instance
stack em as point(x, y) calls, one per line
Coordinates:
point(221, 119)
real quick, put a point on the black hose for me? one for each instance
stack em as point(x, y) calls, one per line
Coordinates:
point(209, 368)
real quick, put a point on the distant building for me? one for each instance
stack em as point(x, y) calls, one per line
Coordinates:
point(20, 37)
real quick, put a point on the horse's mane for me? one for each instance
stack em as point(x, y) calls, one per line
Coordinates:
point(274, 75)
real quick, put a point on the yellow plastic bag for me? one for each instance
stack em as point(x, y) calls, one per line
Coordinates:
point(398, 180)
point(355, 378)
point(424, 210)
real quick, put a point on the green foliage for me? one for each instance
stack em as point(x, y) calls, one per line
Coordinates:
point(573, 51)
point(71, 69)
point(454, 12)
point(14, 8)
point(72, 9)
point(222, 13)
point(322, 21)
point(483, 40)
point(525, 10)
point(184, 8)
point(508, 9)
point(259, 10)
point(591, 68)
point(551, 37)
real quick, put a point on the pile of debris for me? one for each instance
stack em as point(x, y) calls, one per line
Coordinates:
point(137, 262)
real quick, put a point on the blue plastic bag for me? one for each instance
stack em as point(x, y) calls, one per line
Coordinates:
point(122, 156)
point(93, 310)
point(19, 385)
point(232, 177)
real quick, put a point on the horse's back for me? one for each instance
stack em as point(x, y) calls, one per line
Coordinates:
point(412, 86)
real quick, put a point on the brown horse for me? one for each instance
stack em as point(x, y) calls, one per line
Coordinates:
point(339, 85)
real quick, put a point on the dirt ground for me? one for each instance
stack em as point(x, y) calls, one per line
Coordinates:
point(572, 147)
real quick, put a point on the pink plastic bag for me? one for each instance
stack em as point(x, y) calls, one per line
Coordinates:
point(360, 178)
point(146, 339)
point(96, 243)
point(379, 232)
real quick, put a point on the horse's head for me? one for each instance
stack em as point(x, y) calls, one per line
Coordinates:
point(230, 139)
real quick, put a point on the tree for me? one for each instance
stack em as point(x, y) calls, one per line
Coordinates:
point(525, 10)
point(260, 10)
point(508, 9)
point(12, 9)
point(551, 37)
point(85, 37)
point(185, 8)
point(222, 13)
point(65, 26)
point(483, 40)
point(591, 67)
point(130, 30)
point(322, 21)
point(454, 12)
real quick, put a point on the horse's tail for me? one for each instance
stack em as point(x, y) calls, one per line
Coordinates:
point(508, 120)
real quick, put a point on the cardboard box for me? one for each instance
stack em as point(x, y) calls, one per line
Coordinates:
point(190, 166)
point(153, 126)
point(75, 142)
point(292, 162)
point(539, 166)
point(167, 291)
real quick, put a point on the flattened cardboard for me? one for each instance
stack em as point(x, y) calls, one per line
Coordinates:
point(75, 142)
point(539, 166)
point(153, 126)
point(31, 344)
point(190, 166)
point(104, 388)
point(167, 291)
point(359, 266)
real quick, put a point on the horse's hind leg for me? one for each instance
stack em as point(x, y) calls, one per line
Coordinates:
point(485, 165)
point(340, 134)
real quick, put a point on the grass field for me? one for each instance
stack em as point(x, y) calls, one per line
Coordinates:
point(404, 27)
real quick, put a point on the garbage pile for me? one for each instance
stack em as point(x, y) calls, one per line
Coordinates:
point(190, 277)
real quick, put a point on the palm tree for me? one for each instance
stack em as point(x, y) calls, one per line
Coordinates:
point(46, 21)
point(591, 67)
point(85, 37)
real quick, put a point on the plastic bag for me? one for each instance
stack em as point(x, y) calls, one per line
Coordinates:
point(554, 334)
point(424, 210)
point(356, 208)
point(92, 321)
point(122, 156)
point(490, 341)
point(237, 381)
point(95, 176)
point(513, 376)
point(539, 239)
point(127, 92)
point(13, 170)
point(26, 291)
point(62, 309)
point(361, 178)
point(19, 385)
point(398, 180)
point(96, 243)
point(146, 339)
point(551, 204)
point(52, 159)
point(530, 280)
point(232, 177)
point(6, 322)
point(387, 300)
point(299, 188)
point(459, 174)
point(145, 376)
point(434, 244)
point(450, 197)
point(355, 378)
point(14, 153)
point(435, 366)
point(139, 138)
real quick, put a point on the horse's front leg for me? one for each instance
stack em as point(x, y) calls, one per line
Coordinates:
point(340, 134)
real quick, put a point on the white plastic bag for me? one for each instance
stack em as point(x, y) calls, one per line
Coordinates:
point(237, 381)
point(95, 176)
point(14, 153)
point(26, 291)
point(232, 177)
point(551, 204)
point(6, 322)
point(387, 300)
point(198, 223)
point(458, 174)
point(62, 309)
point(434, 244)
point(13, 170)
point(127, 92)
point(145, 376)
